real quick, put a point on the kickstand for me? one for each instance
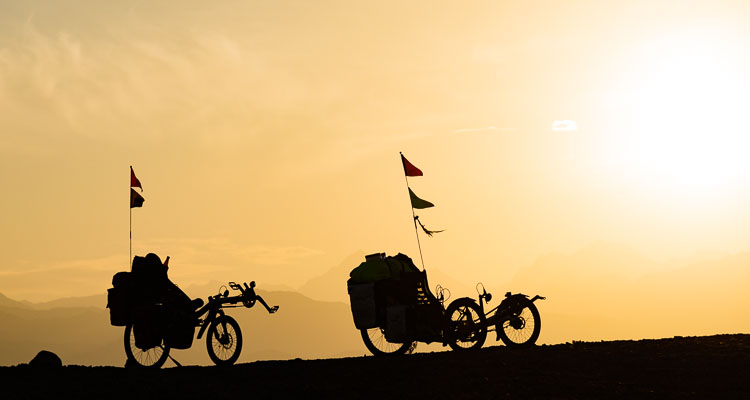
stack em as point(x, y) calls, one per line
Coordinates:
point(174, 361)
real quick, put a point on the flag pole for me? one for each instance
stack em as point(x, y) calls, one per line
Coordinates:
point(414, 219)
point(130, 212)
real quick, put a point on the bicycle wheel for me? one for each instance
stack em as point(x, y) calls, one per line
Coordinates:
point(522, 328)
point(154, 357)
point(224, 341)
point(467, 326)
point(374, 339)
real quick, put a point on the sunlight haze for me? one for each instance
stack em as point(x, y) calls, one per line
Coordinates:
point(267, 137)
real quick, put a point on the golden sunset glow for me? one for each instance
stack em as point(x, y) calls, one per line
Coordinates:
point(687, 131)
point(593, 152)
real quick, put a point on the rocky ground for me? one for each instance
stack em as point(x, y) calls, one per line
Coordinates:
point(681, 367)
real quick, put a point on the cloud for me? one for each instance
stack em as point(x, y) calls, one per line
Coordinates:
point(562, 125)
point(198, 249)
point(194, 261)
point(145, 81)
point(486, 129)
point(269, 255)
point(64, 279)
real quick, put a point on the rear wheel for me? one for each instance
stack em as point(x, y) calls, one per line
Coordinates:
point(154, 357)
point(224, 341)
point(467, 326)
point(374, 339)
point(523, 327)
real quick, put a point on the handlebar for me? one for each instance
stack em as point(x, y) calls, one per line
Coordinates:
point(248, 297)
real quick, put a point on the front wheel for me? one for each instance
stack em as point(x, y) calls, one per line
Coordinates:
point(523, 326)
point(467, 325)
point(224, 340)
point(153, 357)
point(374, 339)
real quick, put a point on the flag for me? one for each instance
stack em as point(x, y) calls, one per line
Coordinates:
point(416, 202)
point(409, 168)
point(134, 182)
point(136, 200)
point(427, 231)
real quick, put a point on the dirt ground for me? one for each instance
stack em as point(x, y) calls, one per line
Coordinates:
point(681, 367)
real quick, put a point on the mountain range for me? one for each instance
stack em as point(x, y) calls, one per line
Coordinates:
point(601, 292)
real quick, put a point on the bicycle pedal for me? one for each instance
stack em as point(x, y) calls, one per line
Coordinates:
point(274, 309)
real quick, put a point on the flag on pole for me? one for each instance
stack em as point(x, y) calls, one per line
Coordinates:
point(134, 182)
point(418, 203)
point(424, 228)
point(136, 200)
point(409, 168)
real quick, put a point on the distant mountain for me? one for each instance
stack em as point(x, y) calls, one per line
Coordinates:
point(7, 302)
point(331, 286)
point(97, 300)
point(602, 292)
point(69, 332)
point(78, 330)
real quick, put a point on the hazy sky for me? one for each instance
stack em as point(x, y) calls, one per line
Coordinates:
point(266, 134)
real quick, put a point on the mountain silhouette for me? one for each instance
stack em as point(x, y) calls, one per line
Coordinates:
point(601, 292)
point(331, 285)
point(83, 335)
point(7, 302)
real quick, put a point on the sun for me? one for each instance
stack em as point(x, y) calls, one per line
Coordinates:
point(682, 109)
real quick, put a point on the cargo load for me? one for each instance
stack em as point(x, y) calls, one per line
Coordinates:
point(138, 291)
point(378, 267)
point(390, 292)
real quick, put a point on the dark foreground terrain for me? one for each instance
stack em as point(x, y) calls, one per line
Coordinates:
point(682, 367)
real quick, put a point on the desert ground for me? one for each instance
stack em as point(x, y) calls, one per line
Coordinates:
point(679, 367)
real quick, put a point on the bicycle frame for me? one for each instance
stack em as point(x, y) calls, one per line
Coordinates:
point(509, 306)
point(215, 305)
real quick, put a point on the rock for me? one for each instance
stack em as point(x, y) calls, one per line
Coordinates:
point(46, 359)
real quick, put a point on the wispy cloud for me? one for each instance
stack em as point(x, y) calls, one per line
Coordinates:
point(562, 125)
point(199, 248)
point(64, 279)
point(485, 129)
point(194, 261)
point(270, 255)
point(123, 84)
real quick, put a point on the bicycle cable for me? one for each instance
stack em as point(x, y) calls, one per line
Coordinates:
point(440, 290)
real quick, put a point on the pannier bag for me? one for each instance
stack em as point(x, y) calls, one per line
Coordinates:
point(179, 334)
point(148, 327)
point(119, 308)
point(364, 311)
point(119, 299)
point(397, 324)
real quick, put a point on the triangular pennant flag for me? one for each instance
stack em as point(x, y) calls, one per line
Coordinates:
point(416, 202)
point(136, 200)
point(134, 182)
point(427, 231)
point(409, 168)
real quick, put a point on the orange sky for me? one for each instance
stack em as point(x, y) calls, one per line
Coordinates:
point(266, 135)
